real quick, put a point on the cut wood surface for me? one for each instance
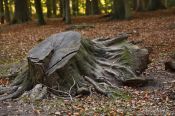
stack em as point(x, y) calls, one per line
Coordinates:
point(66, 62)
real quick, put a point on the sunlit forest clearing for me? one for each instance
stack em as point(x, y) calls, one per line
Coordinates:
point(148, 92)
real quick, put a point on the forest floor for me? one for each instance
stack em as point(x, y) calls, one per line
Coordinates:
point(155, 30)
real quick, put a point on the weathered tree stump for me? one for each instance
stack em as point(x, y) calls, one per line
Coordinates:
point(68, 65)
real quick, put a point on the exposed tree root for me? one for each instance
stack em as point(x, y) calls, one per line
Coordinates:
point(18, 87)
point(96, 86)
point(69, 65)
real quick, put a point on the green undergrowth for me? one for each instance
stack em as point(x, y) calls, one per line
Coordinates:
point(120, 94)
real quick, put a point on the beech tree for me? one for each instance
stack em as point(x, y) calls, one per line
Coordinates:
point(95, 7)
point(121, 9)
point(141, 5)
point(21, 11)
point(7, 11)
point(54, 8)
point(88, 7)
point(92, 7)
point(1, 12)
point(48, 5)
point(39, 12)
point(75, 8)
point(67, 11)
point(156, 4)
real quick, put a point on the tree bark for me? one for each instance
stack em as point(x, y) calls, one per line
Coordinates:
point(39, 12)
point(121, 9)
point(140, 5)
point(75, 9)
point(7, 12)
point(1, 12)
point(54, 7)
point(48, 4)
point(66, 64)
point(88, 7)
point(67, 12)
point(30, 7)
point(11, 4)
point(95, 7)
point(61, 8)
point(21, 12)
point(63, 3)
point(155, 4)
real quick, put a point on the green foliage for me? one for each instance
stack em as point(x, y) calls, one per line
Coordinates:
point(126, 58)
point(120, 94)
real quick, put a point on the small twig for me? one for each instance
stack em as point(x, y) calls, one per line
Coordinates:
point(59, 91)
point(71, 89)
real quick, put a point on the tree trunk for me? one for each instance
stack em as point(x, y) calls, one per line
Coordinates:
point(61, 8)
point(140, 5)
point(95, 7)
point(67, 12)
point(155, 4)
point(121, 9)
point(88, 7)
point(30, 7)
point(21, 12)
point(165, 3)
point(75, 9)
point(48, 4)
point(135, 4)
point(54, 7)
point(11, 4)
point(63, 2)
point(1, 12)
point(66, 63)
point(39, 12)
point(7, 12)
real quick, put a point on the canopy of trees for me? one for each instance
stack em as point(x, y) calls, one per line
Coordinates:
point(17, 11)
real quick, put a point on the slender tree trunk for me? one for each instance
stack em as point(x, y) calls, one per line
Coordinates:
point(39, 12)
point(135, 4)
point(95, 7)
point(30, 7)
point(21, 11)
point(48, 5)
point(75, 9)
point(7, 12)
point(11, 4)
point(67, 12)
point(60, 8)
point(88, 7)
point(1, 12)
point(63, 7)
point(54, 8)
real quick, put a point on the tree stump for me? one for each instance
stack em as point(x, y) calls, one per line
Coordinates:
point(69, 65)
point(170, 65)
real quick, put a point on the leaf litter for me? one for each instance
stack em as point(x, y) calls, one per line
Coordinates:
point(154, 30)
